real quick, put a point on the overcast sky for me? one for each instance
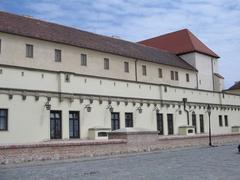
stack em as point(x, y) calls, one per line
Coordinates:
point(215, 22)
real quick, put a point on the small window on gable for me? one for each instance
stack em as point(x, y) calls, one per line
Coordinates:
point(83, 60)
point(29, 50)
point(58, 55)
point(126, 67)
point(144, 70)
point(187, 77)
point(106, 63)
point(160, 73)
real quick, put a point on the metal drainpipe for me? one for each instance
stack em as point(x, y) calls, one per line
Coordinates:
point(184, 105)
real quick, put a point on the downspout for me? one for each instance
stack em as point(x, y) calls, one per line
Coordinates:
point(184, 106)
point(136, 79)
point(212, 74)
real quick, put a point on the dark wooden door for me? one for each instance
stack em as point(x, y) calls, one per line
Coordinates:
point(201, 119)
point(55, 125)
point(170, 124)
point(74, 125)
point(160, 123)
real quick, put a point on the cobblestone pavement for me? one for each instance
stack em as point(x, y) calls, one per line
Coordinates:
point(218, 163)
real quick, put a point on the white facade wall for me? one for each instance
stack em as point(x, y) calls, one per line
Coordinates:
point(14, 54)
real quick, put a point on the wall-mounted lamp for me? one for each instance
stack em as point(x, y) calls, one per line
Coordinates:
point(88, 107)
point(156, 109)
point(139, 109)
point(48, 105)
point(110, 108)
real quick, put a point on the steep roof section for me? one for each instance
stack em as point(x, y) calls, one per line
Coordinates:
point(33, 28)
point(235, 86)
point(179, 42)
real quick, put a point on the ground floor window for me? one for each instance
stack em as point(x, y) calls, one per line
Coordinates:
point(201, 119)
point(160, 124)
point(3, 119)
point(194, 122)
point(129, 119)
point(170, 124)
point(55, 124)
point(115, 121)
point(226, 120)
point(74, 125)
point(220, 120)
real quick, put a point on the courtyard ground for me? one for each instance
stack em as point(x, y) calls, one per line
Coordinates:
point(214, 163)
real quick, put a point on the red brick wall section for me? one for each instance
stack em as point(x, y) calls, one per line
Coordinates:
point(77, 149)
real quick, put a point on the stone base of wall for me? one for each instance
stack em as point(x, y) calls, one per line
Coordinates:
point(54, 150)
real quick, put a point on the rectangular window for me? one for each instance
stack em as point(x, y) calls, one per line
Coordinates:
point(226, 120)
point(144, 70)
point(58, 55)
point(126, 67)
point(83, 60)
point(187, 77)
point(128, 119)
point(3, 119)
point(29, 50)
point(0, 46)
point(176, 75)
point(220, 120)
point(172, 75)
point(201, 119)
point(55, 124)
point(115, 121)
point(74, 124)
point(106, 63)
point(159, 72)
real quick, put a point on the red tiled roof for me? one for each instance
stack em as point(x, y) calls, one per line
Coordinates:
point(235, 86)
point(33, 28)
point(179, 42)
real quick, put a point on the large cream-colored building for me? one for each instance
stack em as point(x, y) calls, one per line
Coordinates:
point(58, 82)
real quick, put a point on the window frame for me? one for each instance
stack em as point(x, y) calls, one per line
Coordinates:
point(29, 50)
point(106, 63)
point(172, 75)
point(160, 75)
point(58, 55)
point(126, 66)
point(83, 59)
point(176, 75)
point(129, 121)
point(187, 77)
point(220, 121)
point(144, 70)
point(6, 128)
point(226, 121)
